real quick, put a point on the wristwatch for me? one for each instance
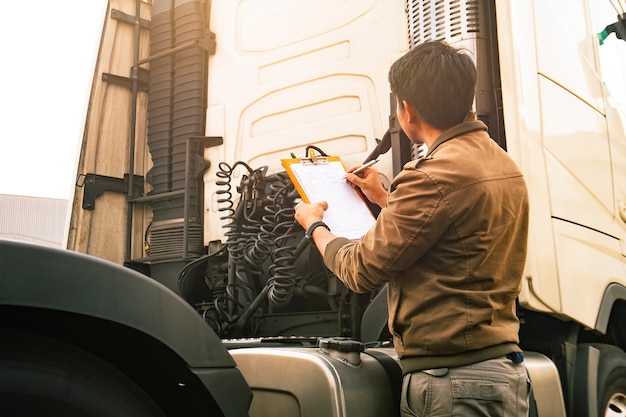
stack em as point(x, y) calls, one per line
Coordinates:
point(309, 232)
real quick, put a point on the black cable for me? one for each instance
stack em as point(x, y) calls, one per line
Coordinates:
point(308, 148)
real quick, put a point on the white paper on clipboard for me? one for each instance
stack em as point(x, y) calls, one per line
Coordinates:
point(347, 214)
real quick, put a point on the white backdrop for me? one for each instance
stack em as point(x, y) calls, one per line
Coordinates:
point(48, 51)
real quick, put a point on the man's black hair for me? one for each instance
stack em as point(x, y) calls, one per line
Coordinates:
point(438, 80)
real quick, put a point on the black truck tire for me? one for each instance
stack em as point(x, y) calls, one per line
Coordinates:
point(43, 376)
point(611, 381)
point(599, 385)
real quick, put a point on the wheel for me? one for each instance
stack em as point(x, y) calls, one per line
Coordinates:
point(611, 381)
point(40, 376)
point(616, 406)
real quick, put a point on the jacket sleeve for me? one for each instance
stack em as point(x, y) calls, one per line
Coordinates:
point(414, 219)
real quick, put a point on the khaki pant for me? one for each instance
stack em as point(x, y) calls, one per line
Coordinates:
point(496, 387)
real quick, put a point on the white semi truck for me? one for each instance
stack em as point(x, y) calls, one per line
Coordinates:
point(187, 289)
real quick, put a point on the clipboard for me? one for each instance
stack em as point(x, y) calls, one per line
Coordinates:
point(321, 178)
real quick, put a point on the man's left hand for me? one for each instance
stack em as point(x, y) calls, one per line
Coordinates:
point(307, 214)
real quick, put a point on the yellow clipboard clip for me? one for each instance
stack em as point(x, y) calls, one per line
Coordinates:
point(314, 159)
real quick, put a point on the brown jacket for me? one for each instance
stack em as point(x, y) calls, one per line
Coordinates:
point(451, 244)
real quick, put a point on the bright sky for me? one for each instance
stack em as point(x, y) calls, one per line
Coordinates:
point(48, 56)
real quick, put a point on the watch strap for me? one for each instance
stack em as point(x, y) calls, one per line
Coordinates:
point(309, 232)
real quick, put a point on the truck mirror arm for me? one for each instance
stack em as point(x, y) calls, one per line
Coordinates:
point(383, 145)
point(619, 28)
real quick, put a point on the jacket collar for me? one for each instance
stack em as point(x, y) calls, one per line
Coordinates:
point(468, 125)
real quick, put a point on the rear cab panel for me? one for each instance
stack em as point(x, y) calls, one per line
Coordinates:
point(287, 74)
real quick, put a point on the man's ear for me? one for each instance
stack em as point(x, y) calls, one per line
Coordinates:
point(411, 112)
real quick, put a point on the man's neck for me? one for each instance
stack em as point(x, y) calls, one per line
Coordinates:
point(428, 134)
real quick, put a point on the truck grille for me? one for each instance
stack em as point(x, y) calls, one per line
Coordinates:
point(449, 20)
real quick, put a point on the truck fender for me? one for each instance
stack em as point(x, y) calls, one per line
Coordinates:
point(613, 293)
point(33, 276)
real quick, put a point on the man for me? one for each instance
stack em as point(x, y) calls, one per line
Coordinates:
point(450, 242)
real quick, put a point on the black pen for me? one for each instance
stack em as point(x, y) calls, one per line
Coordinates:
point(365, 165)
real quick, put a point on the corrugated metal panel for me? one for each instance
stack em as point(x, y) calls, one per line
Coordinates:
point(33, 219)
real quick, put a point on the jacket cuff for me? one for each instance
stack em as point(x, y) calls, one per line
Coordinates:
point(331, 251)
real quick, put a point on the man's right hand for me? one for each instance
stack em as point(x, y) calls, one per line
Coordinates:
point(369, 183)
